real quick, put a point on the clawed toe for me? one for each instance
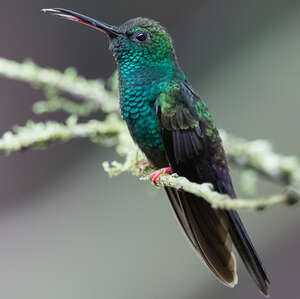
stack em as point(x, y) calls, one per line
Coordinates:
point(155, 175)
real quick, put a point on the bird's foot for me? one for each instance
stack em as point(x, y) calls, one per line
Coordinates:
point(155, 175)
point(142, 165)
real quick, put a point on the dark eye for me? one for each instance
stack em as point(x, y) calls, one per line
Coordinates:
point(140, 36)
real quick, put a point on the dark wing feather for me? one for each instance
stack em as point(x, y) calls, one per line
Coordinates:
point(194, 150)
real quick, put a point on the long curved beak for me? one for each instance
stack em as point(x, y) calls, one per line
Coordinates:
point(111, 31)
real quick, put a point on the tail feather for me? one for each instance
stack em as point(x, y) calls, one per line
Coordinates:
point(247, 252)
point(212, 232)
point(208, 232)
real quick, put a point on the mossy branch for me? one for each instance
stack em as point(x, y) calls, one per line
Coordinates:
point(68, 81)
point(56, 102)
point(41, 135)
point(259, 156)
point(256, 155)
point(288, 166)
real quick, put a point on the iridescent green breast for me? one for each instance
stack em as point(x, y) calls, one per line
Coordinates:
point(139, 88)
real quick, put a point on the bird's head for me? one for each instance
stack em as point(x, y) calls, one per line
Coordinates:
point(137, 42)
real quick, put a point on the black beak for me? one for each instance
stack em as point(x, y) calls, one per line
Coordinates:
point(111, 31)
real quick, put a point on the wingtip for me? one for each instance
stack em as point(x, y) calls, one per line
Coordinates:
point(235, 277)
point(265, 290)
point(265, 293)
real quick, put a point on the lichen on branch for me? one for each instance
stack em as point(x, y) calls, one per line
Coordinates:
point(68, 81)
point(289, 196)
point(256, 155)
point(41, 135)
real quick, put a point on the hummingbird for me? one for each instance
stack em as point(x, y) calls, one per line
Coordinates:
point(171, 124)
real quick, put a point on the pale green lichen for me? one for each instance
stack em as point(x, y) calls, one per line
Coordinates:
point(292, 194)
point(259, 155)
point(40, 135)
point(56, 102)
point(221, 201)
point(68, 81)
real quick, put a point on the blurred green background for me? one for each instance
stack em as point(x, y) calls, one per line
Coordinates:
point(68, 231)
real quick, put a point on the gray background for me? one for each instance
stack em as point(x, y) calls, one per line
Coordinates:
point(67, 231)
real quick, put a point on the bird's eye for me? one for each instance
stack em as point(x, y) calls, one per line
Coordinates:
point(140, 36)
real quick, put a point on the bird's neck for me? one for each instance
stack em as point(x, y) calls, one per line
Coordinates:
point(148, 78)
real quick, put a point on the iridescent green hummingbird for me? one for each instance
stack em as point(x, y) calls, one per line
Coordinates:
point(173, 127)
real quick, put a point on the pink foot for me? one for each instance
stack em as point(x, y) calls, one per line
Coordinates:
point(155, 175)
point(142, 165)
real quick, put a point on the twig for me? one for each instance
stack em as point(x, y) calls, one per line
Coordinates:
point(40, 135)
point(66, 105)
point(68, 81)
point(290, 196)
point(221, 201)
